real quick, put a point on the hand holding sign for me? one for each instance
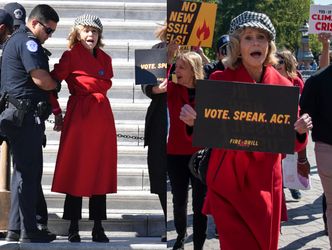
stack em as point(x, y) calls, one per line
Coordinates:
point(324, 38)
point(188, 115)
point(161, 88)
point(303, 124)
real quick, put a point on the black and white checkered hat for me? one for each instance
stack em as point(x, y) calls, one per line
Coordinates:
point(89, 20)
point(253, 20)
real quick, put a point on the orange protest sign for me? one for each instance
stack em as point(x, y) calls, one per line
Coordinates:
point(191, 23)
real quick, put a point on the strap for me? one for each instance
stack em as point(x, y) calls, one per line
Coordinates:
point(14, 101)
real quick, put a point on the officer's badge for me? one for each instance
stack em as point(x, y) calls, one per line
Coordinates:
point(101, 72)
point(32, 46)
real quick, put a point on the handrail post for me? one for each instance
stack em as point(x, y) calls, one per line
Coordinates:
point(4, 186)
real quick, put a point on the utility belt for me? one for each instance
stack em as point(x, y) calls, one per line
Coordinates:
point(24, 105)
point(41, 109)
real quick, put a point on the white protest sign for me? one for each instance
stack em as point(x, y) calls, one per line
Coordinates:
point(320, 20)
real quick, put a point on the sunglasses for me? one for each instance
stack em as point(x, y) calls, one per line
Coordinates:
point(280, 62)
point(47, 30)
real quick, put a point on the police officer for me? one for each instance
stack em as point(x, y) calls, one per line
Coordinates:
point(18, 13)
point(25, 77)
point(221, 53)
point(6, 25)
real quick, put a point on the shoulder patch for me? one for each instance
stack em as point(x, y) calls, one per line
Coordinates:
point(32, 46)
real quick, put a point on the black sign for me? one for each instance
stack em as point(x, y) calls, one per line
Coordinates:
point(242, 116)
point(150, 66)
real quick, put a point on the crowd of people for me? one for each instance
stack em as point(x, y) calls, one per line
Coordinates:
point(243, 191)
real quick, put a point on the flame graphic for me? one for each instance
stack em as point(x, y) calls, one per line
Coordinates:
point(205, 31)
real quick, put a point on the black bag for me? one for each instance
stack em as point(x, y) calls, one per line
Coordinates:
point(199, 163)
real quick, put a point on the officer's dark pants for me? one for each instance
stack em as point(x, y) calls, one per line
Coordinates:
point(179, 176)
point(73, 207)
point(26, 143)
point(42, 214)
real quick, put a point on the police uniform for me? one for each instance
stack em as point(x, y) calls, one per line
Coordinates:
point(23, 53)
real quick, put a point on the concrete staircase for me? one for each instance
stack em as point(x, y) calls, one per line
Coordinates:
point(135, 218)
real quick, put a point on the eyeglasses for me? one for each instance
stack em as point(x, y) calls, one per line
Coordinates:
point(47, 30)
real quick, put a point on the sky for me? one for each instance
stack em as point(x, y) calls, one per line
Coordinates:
point(323, 2)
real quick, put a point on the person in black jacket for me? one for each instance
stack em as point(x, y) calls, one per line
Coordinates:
point(221, 53)
point(156, 129)
point(316, 100)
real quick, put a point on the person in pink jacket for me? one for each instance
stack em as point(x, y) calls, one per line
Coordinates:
point(244, 189)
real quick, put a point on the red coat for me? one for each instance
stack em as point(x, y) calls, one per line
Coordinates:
point(298, 83)
point(87, 158)
point(179, 142)
point(245, 188)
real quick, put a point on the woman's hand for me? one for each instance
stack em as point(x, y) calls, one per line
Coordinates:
point(188, 115)
point(58, 122)
point(324, 38)
point(303, 124)
point(161, 88)
point(171, 51)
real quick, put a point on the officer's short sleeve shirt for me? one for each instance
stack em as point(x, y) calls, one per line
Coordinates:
point(22, 54)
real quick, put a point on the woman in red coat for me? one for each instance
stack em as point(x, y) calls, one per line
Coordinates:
point(245, 188)
point(188, 69)
point(87, 159)
point(286, 66)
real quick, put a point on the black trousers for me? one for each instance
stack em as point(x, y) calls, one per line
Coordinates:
point(26, 191)
point(179, 176)
point(73, 207)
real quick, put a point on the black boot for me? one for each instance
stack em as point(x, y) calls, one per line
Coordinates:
point(98, 233)
point(73, 235)
point(179, 243)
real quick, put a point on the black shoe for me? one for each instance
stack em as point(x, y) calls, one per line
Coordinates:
point(74, 236)
point(98, 235)
point(3, 235)
point(43, 227)
point(37, 236)
point(13, 235)
point(179, 243)
point(296, 194)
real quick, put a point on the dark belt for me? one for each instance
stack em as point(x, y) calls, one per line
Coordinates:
point(22, 104)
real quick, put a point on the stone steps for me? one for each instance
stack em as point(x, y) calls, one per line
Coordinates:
point(115, 29)
point(106, 9)
point(122, 68)
point(123, 109)
point(122, 89)
point(122, 130)
point(126, 154)
point(128, 179)
point(133, 213)
point(123, 199)
point(134, 221)
point(116, 48)
point(118, 241)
